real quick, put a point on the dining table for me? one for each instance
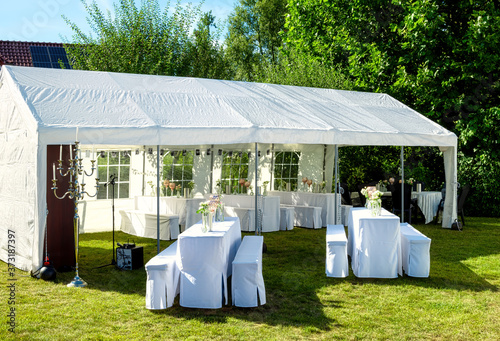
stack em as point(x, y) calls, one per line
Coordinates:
point(185, 208)
point(324, 200)
point(374, 244)
point(270, 211)
point(205, 261)
point(428, 203)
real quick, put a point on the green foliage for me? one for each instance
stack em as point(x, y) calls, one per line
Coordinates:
point(479, 158)
point(441, 58)
point(148, 40)
point(367, 164)
point(253, 35)
point(303, 70)
point(207, 55)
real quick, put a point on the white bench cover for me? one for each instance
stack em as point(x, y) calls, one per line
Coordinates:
point(307, 216)
point(162, 284)
point(336, 252)
point(415, 248)
point(247, 281)
point(287, 217)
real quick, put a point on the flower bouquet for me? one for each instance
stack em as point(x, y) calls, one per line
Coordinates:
point(373, 200)
point(207, 209)
point(304, 181)
point(172, 187)
point(264, 188)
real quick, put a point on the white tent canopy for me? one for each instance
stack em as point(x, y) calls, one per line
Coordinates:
point(40, 107)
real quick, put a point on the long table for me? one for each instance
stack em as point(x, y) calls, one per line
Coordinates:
point(270, 211)
point(185, 208)
point(374, 244)
point(204, 261)
point(428, 203)
point(324, 200)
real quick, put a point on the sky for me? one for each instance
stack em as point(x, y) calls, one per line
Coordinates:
point(41, 21)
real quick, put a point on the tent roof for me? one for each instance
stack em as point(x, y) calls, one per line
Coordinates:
point(114, 108)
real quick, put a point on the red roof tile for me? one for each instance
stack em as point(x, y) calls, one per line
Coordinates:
point(18, 52)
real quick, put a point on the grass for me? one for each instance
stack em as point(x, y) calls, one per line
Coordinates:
point(459, 301)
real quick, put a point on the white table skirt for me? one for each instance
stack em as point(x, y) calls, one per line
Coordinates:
point(185, 208)
point(428, 203)
point(205, 262)
point(270, 209)
point(141, 224)
point(374, 244)
point(324, 200)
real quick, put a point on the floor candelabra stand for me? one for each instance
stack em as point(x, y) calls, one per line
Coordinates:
point(75, 192)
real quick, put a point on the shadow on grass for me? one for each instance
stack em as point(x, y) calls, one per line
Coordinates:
point(294, 273)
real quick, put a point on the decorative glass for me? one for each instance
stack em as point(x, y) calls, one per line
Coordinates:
point(375, 206)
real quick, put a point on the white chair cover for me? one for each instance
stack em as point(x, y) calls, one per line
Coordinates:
point(162, 284)
point(336, 264)
point(287, 216)
point(415, 248)
point(247, 280)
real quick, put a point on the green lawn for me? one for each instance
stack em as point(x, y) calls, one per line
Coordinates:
point(459, 301)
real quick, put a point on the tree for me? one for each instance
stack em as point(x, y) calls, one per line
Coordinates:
point(253, 35)
point(207, 54)
point(144, 40)
point(302, 70)
point(440, 57)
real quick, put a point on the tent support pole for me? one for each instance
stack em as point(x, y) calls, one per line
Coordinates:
point(143, 170)
point(157, 199)
point(402, 184)
point(336, 185)
point(257, 225)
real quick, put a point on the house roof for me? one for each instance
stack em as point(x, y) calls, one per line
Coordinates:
point(18, 52)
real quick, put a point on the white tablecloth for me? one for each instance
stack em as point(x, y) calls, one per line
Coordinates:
point(324, 200)
point(270, 209)
point(205, 262)
point(139, 223)
point(428, 203)
point(185, 208)
point(374, 244)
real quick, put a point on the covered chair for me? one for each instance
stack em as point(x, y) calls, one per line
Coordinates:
point(461, 202)
point(396, 200)
point(346, 195)
point(441, 204)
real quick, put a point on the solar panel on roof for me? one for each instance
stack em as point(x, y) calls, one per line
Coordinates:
point(49, 57)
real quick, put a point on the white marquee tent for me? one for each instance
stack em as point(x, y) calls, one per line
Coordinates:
point(40, 107)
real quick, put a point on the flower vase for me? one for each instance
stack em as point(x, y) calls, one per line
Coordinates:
point(206, 222)
point(264, 193)
point(375, 206)
point(178, 194)
point(219, 213)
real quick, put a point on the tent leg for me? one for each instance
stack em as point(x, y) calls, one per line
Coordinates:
point(402, 184)
point(157, 199)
